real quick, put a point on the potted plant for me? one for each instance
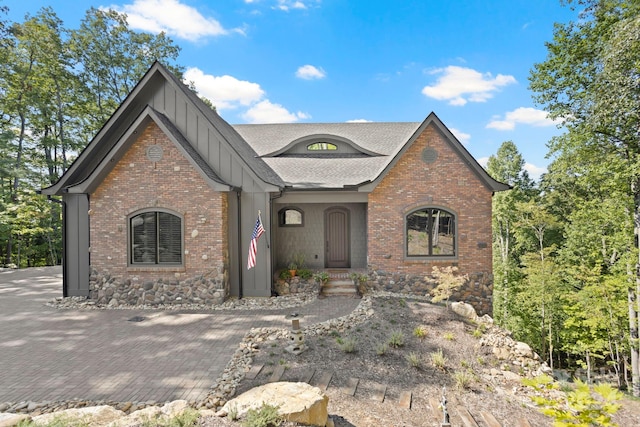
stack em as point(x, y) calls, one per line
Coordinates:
point(292, 268)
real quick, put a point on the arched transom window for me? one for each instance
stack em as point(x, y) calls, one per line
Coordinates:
point(430, 232)
point(322, 146)
point(155, 237)
point(291, 217)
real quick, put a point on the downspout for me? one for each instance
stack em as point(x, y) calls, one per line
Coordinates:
point(239, 220)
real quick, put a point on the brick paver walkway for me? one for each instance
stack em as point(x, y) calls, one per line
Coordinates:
point(51, 355)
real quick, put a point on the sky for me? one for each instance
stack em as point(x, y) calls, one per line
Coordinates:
point(296, 61)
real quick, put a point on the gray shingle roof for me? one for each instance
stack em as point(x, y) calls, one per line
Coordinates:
point(304, 172)
point(379, 137)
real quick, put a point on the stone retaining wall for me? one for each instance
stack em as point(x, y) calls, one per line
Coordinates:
point(210, 289)
point(478, 291)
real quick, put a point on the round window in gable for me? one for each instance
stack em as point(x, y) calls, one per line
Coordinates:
point(154, 153)
point(429, 155)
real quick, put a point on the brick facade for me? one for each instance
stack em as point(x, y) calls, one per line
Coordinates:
point(447, 183)
point(171, 183)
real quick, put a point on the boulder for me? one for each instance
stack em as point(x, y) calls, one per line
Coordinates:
point(464, 310)
point(10, 420)
point(92, 415)
point(150, 413)
point(297, 402)
point(523, 350)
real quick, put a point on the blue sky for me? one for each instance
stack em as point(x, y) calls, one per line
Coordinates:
point(265, 61)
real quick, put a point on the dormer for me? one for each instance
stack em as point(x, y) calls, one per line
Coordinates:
point(322, 146)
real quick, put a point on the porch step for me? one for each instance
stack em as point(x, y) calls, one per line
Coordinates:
point(344, 287)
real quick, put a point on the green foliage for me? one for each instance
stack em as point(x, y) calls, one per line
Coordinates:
point(349, 345)
point(463, 379)
point(321, 277)
point(396, 339)
point(583, 406)
point(414, 360)
point(266, 416)
point(284, 274)
point(382, 349)
point(58, 88)
point(449, 336)
point(57, 421)
point(447, 282)
point(305, 273)
point(439, 360)
point(420, 332)
point(187, 418)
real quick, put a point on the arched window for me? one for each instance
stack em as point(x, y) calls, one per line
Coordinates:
point(155, 237)
point(322, 146)
point(290, 217)
point(430, 232)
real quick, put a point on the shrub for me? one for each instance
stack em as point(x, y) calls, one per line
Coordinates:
point(305, 273)
point(381, 349)
point(439, 360)
point(463, 379)
point(266, 416)
point(285, 274)
point(397, 339)
point(447, 281)
point(420, 331)
point(587, 406)
point(348, 345)
point(477, 333)
point(414, 360)
point(449, 336)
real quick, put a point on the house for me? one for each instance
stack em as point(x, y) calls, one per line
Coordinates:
point(162, 203)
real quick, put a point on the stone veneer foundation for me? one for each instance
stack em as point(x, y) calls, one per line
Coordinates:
point(210, 289)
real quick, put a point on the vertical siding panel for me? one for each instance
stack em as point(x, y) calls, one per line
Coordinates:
point(225, 165)
point(170, 102)
point(203, 140)
point(214, 153)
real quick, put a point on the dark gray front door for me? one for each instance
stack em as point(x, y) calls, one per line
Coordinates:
point(336, 228)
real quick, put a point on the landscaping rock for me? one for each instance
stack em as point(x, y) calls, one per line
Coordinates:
point(297, 402)
point(465, 310)
point(141, 416)
point(92, 415)
point(10, 420)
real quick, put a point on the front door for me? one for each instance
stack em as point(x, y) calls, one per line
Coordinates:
point(337, 237)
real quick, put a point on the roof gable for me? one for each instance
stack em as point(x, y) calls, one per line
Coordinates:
point(148, 91)
point(124, 143)
point(456, 146)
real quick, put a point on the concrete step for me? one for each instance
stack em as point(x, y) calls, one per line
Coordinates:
point(339, 287)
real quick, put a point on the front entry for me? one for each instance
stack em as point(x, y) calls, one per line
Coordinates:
point(337, 238)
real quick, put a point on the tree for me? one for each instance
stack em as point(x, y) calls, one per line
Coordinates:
point(506, 166)
point(57, 88)
point(112, 58)
point(590, 80)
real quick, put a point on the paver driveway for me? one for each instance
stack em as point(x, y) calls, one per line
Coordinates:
point(50, 355)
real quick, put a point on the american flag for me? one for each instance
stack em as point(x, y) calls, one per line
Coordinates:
point(253, 247)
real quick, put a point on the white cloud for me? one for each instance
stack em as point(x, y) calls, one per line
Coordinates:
point(359, 121)
point(172, 17)
point(225, 92)
point(309, 72)
point(523, 115)
point(267, 112)
point(287, 5)
point(484, 161)
point(534, 171)
point(460, 85)
point(462, 137)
